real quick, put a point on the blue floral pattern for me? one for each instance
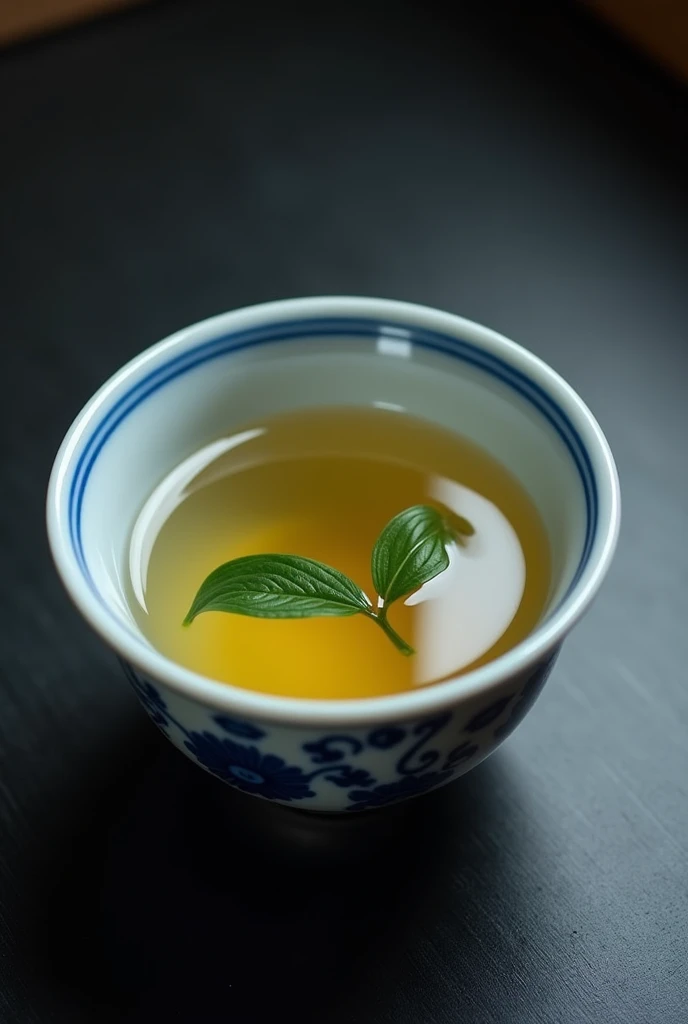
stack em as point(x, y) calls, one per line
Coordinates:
point(390, 792)
point(421, 762)
point(387, 737)
point(148, 695)
point(416, 758)
point(526, 698)
point(489, 714)
point(246, 768)
point(463, 752)
point(246, 730)
point(345, 775)
point(329, 748)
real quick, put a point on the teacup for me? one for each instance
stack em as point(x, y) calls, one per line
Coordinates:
point(198, 384)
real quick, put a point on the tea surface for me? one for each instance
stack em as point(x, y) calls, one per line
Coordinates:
point(323, 484)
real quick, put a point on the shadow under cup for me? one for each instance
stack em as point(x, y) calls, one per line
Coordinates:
point(215, 377)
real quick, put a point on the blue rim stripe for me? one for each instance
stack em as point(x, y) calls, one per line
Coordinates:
point(333, 327)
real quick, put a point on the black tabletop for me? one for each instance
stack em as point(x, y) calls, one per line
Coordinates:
point(518, 166)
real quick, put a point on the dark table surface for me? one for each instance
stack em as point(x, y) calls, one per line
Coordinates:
point(520, 167)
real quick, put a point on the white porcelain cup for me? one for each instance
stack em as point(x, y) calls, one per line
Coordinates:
point(207, 380)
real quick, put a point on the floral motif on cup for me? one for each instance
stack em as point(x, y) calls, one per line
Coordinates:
point(246, 768)
point(526, 698)
point(342, 759)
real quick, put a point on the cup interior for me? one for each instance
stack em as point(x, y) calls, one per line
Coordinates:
point(195, 389)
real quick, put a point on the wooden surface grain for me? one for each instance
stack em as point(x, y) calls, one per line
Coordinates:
point(515, 167)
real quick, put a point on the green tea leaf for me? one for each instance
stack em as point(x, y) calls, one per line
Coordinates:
point(409, 552)
point(278, 587)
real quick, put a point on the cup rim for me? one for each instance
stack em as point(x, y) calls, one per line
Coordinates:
point(434, 697)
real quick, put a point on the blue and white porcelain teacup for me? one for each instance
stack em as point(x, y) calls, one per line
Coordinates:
point(199, 384)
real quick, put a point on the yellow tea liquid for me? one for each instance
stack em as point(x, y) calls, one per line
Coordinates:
point(322, 484)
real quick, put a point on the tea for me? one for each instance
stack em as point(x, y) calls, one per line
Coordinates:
point(322, 484)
